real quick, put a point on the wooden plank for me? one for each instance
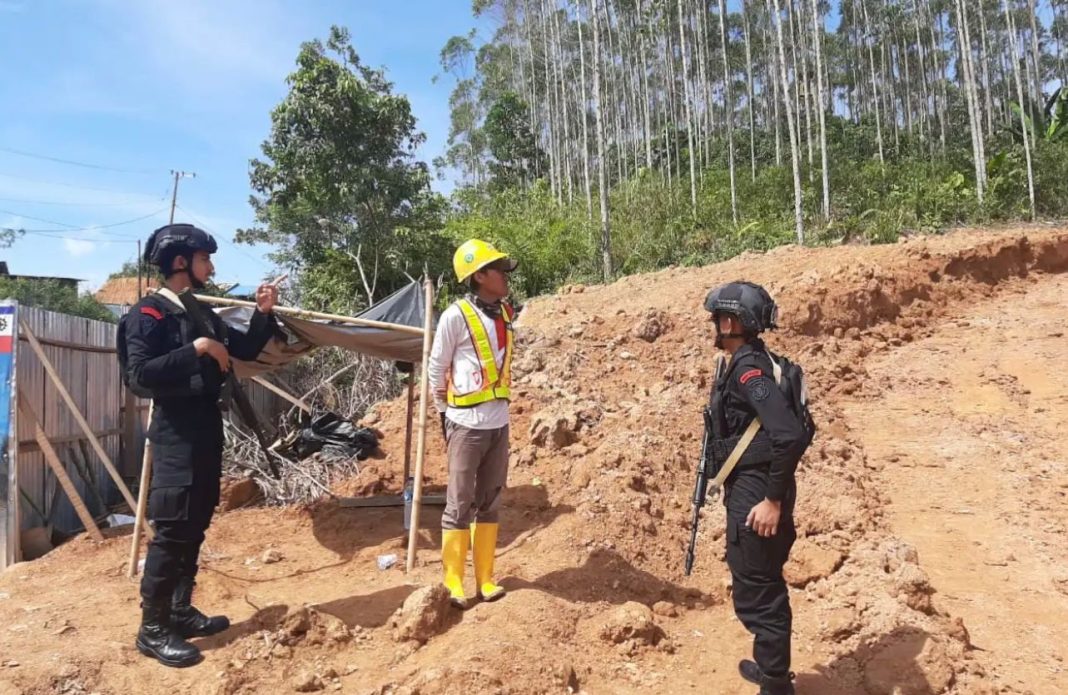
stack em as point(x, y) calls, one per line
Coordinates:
point(93, 441)
point(73, 345)
point(60, 472)
point(386, 501)
point(277, 390)
point(30, 445)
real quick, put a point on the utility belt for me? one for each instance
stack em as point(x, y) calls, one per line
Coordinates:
point(758, 453)
point(196, 389)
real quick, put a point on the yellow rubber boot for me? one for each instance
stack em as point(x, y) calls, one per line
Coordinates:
point(454, 546)
point(484, 540)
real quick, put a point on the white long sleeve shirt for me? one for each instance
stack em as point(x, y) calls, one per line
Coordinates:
point(453, 352)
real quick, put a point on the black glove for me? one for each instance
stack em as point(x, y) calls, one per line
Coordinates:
point(444, 431)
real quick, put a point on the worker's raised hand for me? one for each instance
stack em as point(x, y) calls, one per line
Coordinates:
point(266, 297)
point(215, 350)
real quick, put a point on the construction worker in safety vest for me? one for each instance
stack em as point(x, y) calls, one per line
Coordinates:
point(470, 374)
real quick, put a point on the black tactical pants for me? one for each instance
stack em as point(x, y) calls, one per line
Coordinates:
point(181, 515)
point(761, 598)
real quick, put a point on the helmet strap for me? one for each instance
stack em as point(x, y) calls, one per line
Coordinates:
point(188, 270)
point(721, 336)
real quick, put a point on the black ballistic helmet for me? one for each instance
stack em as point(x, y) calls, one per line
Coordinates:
point(750, 302)
point(172, 240)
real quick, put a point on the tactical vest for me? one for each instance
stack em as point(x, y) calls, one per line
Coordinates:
point(187, 333)
point(790, 379)
point(496, 379)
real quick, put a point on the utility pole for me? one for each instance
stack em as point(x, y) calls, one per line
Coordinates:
point(139, 295)
point(174, 194)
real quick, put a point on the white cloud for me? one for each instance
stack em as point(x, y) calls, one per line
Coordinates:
point(205, 46)
point(93, 281)
point(13, 222)
point(78, 247)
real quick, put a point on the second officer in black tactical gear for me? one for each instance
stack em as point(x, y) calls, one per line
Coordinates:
point(760, 493)
point(164, 358)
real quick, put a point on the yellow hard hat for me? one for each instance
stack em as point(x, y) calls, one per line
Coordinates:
point(474, 255)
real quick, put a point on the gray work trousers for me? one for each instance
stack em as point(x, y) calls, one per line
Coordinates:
point(478, 472)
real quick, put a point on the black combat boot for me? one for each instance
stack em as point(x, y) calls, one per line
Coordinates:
point(777, 685)
point(768, 685)
point(187, 620)
point(157, 638)
point(750, 671)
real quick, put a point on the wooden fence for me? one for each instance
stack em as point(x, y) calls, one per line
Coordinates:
point(83, 354)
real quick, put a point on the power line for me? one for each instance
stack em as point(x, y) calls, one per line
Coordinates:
point(94, 228)
point(61, 237)
point(80, 204)
point(87, 165)
point(37, 219)
point(23, 179)
point(220, 236)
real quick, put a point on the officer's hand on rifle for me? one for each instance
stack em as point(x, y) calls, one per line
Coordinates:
point(266, 297)
point(215, 350)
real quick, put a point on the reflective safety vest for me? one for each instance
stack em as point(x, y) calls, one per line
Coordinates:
point(496, 379)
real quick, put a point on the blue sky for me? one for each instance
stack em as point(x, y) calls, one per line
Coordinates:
point(151, 85)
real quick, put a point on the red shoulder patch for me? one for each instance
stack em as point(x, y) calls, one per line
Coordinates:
point(153, 312)
point(751, 374)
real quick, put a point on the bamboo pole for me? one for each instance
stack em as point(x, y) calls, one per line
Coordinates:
point(78, 417)
point(424, 402)
point(56, 465)
point(305, 314)
point(142, 501)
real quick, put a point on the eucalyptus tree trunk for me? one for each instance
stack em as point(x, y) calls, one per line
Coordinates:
point(795, 153)
point(1036, 56)
point(584, 102)
point(968, 83)
point(689, 112)
point(606, 232)
point(869, 39)
point(1020, 97)
point(987, 96)
point(817, 40)
point(750, 96)
point(730, 107)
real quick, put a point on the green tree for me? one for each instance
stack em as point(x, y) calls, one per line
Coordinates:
point(54, 295)
point(517, 157)
point(339, 190)
point(8, 236)
point(129, 269)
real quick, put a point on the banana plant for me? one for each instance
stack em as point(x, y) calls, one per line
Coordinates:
point(1049, 123)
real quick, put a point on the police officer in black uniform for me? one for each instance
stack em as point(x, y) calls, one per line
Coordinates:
point(761, 492)
point(163, 357)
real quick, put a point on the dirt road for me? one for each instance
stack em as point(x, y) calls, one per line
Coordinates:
point(969, 425)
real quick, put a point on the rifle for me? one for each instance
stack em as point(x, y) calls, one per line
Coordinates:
point(704, 473)
point(244, 406)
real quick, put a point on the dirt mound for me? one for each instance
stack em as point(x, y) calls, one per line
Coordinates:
point(606, 435)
